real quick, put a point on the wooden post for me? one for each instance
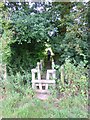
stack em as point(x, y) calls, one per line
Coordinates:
point(47, 78)
point(62, 75)
point(38, 70)
point(33, 78)
point(41, 64)
point(54, 76)
point(39, 75)
point(53, 64)
point(3, 72)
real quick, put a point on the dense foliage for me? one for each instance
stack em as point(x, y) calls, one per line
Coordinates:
point(26, 31)
point(71, 38)
point(28, 28)
point(20, 100)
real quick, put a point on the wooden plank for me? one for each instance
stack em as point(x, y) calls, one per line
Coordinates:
point(42, 91)
point(43, 84)
point(44, 81)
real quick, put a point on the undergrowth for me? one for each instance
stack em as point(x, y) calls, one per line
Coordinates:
point(19, 101)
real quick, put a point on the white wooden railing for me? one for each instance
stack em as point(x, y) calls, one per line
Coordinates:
point(50, 77)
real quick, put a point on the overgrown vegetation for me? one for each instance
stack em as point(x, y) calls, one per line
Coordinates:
point(75, 79)
point(25, 107)
point(26, 30)
point(20, 100)
point(27, 33)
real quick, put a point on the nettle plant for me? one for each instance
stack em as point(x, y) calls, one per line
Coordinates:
point(75, 78)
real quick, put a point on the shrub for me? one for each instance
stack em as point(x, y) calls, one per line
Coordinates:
point(19, 83)
point(75, 79)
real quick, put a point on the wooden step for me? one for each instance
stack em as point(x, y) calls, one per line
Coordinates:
point(42, 91)
point(37, 84)
point(44, 81)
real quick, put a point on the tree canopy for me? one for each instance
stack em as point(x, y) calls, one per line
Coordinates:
point(28, 27)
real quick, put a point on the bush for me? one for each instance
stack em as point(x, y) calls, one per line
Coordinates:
point(18, 84)
point(75, 79)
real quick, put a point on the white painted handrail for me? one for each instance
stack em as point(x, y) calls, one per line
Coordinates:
point(42, 82)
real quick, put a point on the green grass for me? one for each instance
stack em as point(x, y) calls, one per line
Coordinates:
point(18, 106)
point(19, 102)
